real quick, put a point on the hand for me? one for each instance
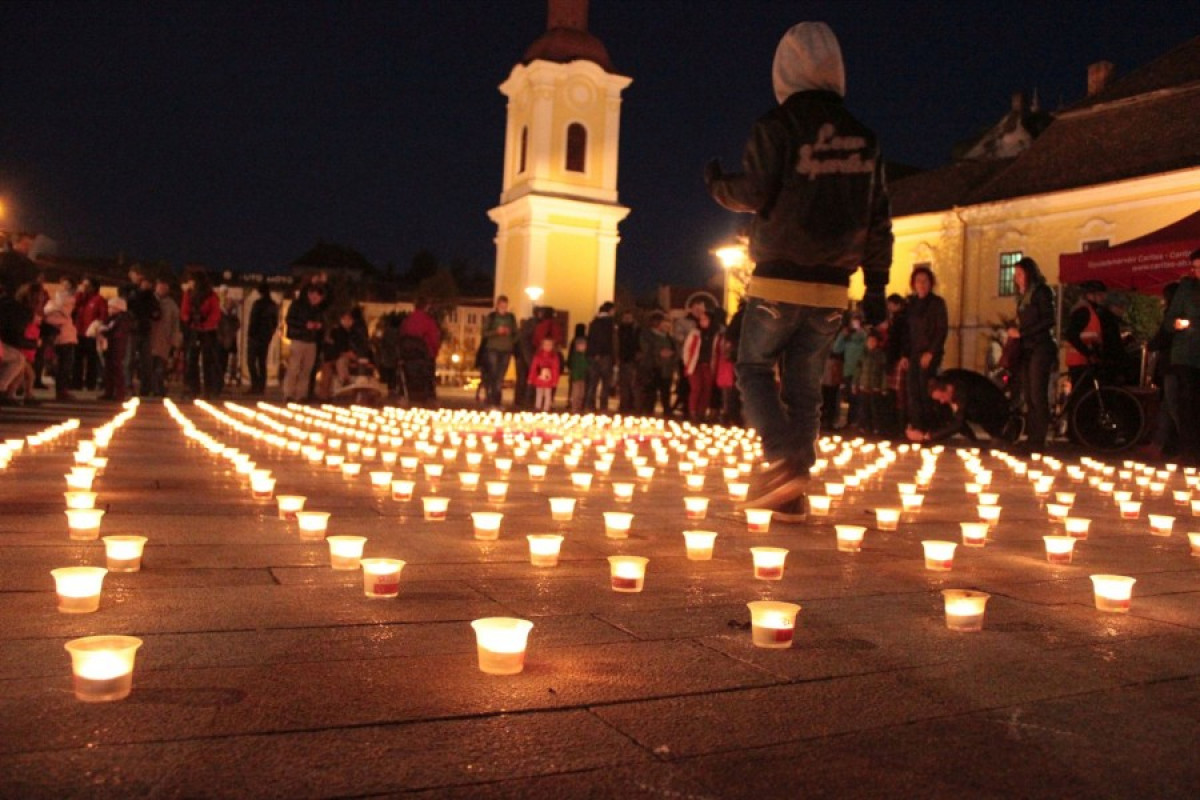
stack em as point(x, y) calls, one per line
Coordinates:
point(1014, 333)
point(1182, 324)
point(712, 172)
point(926, 360)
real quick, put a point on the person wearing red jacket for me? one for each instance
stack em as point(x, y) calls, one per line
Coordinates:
point(200, 314)
point(91, 311)
point(421, 325)
point(544, 371)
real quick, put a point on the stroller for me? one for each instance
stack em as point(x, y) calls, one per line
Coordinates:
point(417, 371)
point(363, 387)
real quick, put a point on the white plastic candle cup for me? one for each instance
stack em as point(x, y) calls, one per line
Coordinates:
point(345, 552)
point(974, 534)
point(381, 480)
point(84, 523)
point(487, 525)
point(468, 481)
point(1183, 497)
point(78, 588)
point(409, 464)
point(1056, 512)
point(497, 491)
point(402, 490)
point(695, 508)
point(562, 509)
point(537, 472)
point(389, 458)
point(312, 524)
point(739, 491)
point(644, 473)
point(849, 537)
point(1065, 498)
point(435, 507)
point(617, 524)
point(971, 488)
point(768, 562)
point(80, 481)
point(887, 519)
point(964, 609)
point(433, 473)
point(102, 667)
point(818, 504)
point(989, 514)
point(622, 492)
point(939, 555)
point(544, 549)
point(500, 644)
point(289, 504)
point(381, 576)
point(699, 545)
point(627, 573)
point(911, 503)
point(772, 624)
point(262, 487)
point(1131, 509)
point(758, 520)
point(1194, 543)
point(1161, 525)
point(351, 470)
point(1077, 527)
point(988, 498)
point(334, 461)
point(77, 500)
point(1195, 506)
point(1122, 496)
point(582, 481)
point(503, 466)
point(1059, 549)
point(835, 491)
point(1113, 592)
point(124, 553)
point(694, 482)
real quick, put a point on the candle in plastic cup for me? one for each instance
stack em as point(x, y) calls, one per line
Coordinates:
point(1113, 592)
point(345, 551)
point(487, 525)
point(617, 524)
point(537, 472)
point(627, 573)
point(468, 481)
point(289, 504)
point(312, 524)
point(1077, 527)
point(988, 514)
point(772, 624)
point(78, 500)
point(939, 555)
point(645, 474)
point(695, 508)
point(262, 487)
point(974, 534)
point(1059, 549)
point(381, 480)
point(836, 491)
point(381, 576)
point(768, 562)
point(124, 553)
point(78, 588)
point(1183, 497)
point(408, 464)
point(623, 492)
point(544, 549)
point(818, 505)
point(988, 498)
point(1056, 512)
point(1194, 543)
point(694, 482)
point(433, 473)
point(84, 523)
point(911, 503)
point(699, 545)
point(102, 667)
point(80, 481)
point(758, 520)
point(1065, 498)
point(964, 609)
point(739, 491)
point(850, 537)
point(1161, 525)
point(497, 491)
point(887, 519)
point(435, 507)
point(500, 644)
point(1131, 509)
point(1123, 496)
point(562, 508)
point(503, 466)
point(582, 481)
point(402, 490)
point(351, 470)
point(334, 461)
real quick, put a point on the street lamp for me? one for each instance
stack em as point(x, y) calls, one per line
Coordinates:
point(734, 260)
point(534, 293)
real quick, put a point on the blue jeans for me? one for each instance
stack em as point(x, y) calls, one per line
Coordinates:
point(495, 367)
point(787, 414)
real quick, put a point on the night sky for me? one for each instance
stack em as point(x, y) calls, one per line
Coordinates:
point(238, 134)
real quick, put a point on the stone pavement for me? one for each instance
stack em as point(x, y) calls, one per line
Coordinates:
point(264, 673)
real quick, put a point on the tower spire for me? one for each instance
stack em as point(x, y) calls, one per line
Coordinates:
point(571, 14)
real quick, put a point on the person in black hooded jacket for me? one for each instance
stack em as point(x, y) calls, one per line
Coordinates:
point(1039, 351)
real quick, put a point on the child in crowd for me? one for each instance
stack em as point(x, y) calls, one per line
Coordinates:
point(871, 384)
point(544, 370)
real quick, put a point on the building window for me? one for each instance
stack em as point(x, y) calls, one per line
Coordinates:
point(1095, 244)
point(524, 149)
point(576, 148)
point(1008, 270)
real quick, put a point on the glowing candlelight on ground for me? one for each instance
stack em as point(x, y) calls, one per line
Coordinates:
point(124, 553)
point(695, 508)
point(617, 524)
point(819, 504)
point(262, 486)
point(84, 523)
point(738, 492)
point(1113, 592)
point(1194, 543)
point(974, 534)
point(381, 576)
point(1059, 549)
point(312, 524)
point(433, 473)
point(1161, 525)
point(1077, 527)
point(623, 492)
point(77, 500)
point(989, 514)
point(487, 524)
point(1122, 496)
point(409, 464)
point(694, 482)
point(939, 555)
point(850, 537)
point(497, 491)
point(1131, 509)
point(1182, 497)
point(80, 479)
point(964, 609)
point(699, 544)
point(78, 588)
point(345, 551)
point(402, 490)
point(911, 503)
point(289, 504)
point(501, 643)
point(627, 573)
point(102, 667)
point(768, 562)
point(988, 498)
point(1057, 512)
point(758, 520)
point(435, 507)
point(544, 549)
point(582, 481)
point(772, 624)
point(537, 472)
point(381, 480)
point(562, 508)
point(334, 461)
point(836, 491)
point(1065, 498)
point(887, 519)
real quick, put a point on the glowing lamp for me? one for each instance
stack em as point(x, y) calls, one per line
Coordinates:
point(124, 553)
point(772, 624)
point(500, 644)
point(102, 667)
point(78, 588)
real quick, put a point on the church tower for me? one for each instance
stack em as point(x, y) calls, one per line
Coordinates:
point(558, 212)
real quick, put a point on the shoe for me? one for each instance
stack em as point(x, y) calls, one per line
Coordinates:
point(793, 511)
point(774, 486)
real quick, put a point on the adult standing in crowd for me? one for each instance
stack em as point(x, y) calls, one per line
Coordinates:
point(699, 359)
point(165, 338)
point(143, 310)
point(927, 323)
point(658, 354)
point(58, 316)
point(1183, 316)
point(260, 332)
point(1092, 333)
point(628, 342)
point(1038, 351)
point(305, 329)
point(201, 316)
point(13, 319)
point(90, 312)
point(601, 353)
point(499, 339)
point(420, 374)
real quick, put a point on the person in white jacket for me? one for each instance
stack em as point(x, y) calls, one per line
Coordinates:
point(58, 315)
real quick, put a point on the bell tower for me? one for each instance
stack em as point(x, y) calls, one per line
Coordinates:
point(558, 212)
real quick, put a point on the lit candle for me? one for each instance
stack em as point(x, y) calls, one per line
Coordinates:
point(850, 537)
point(974, 534)
point(78, 588)
point(694, 482)
point(911, 503)
point(381, 576)
point(76, 500)
point(1131, 509)
point(84, 523)
point(1183, 497)
point(1194, 543)
point(345, 551)
point(435, 507)
point(772, 624)
point(1059, 549)
point(289, 504)
point(617, 524)
point(433, 473)
point(1122, 496)
point(623, 492)
point(1196, 507)
point(738, 492)
point(562, 508)
point(351, 470)
point(497, 491)
point(124, 553)
point(102, 667)
point(699, 544)
point(627, 573)
point(501, 643)
point(768, 562)
point(503, 466)
point(312, 524)
point(582, 481)
point(1077, 527)
point(334, 461)
point(887, 519)
point(819, 504)
point(939, 555)
point(1161, 525)
point(1113, 592)
point(695, 508)
point(988, 498)
point(964, 609)
point(381, 480)
point(1057, 512)
point(644, 473)
point(402, 490)
point(537, 472)
point(758, 520)
point(836, 491)
point(989, 514)
point(80, 481)
point(262, 486)
point(487, 524)
point(544, 549)
point(408, 464)
point(1065, 498)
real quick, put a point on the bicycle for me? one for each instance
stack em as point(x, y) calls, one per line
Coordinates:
point(1094, 414)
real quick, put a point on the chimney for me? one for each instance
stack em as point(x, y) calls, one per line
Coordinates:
point(571, 14)
point(1100, 75)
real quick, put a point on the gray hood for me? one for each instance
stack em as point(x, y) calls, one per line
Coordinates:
point(808, 58)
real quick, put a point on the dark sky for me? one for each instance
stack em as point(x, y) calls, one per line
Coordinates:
point(237, 134)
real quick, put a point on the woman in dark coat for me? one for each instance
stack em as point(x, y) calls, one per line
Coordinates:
point(926, 324)
point(1039, 351)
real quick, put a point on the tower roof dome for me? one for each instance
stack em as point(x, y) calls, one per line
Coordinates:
point(567, 38)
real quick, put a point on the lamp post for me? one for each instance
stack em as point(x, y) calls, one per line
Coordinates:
point(734, 258)
point(534, 293)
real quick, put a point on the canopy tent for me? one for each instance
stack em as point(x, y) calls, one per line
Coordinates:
point(1145, 264)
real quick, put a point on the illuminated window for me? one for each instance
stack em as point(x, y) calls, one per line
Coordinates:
point(576, 148)
point(524, 149)
point(1008, 269)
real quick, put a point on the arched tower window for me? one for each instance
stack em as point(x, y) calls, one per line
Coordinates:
point(576, 148)
point(524, 149)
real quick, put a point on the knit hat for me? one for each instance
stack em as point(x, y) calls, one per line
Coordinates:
point(808, 58)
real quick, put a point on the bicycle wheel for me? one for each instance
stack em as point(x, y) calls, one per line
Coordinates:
point(1108, 419)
